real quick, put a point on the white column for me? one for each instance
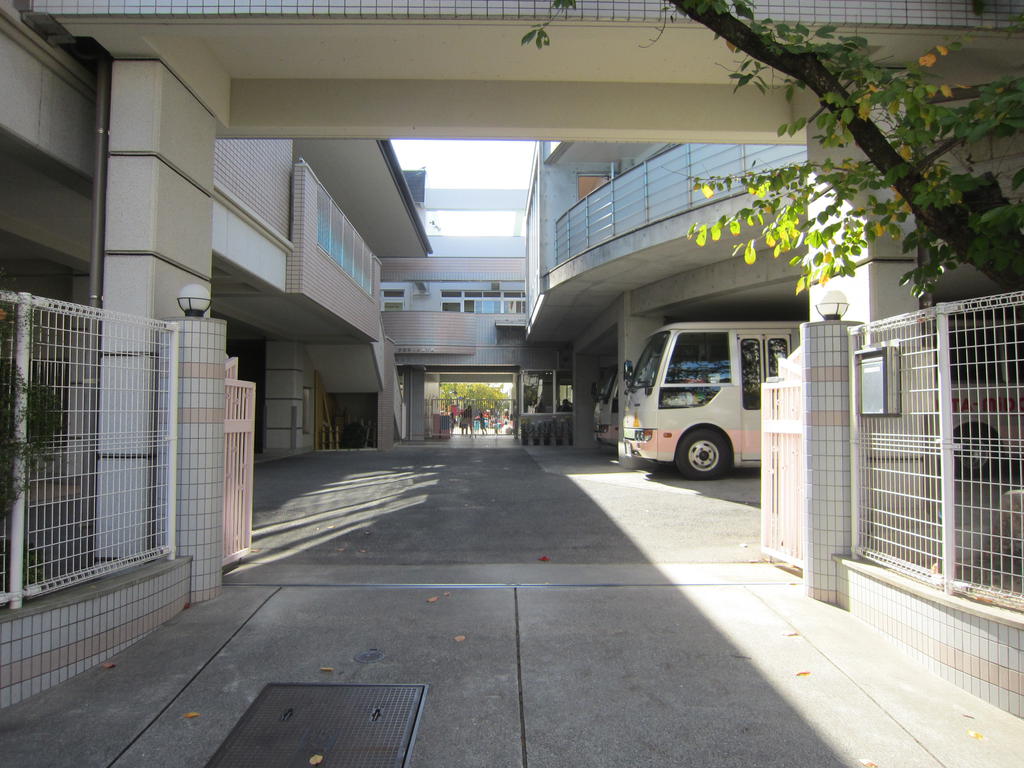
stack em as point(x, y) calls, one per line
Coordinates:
point(827, 497)
point(159, 192)
point(200, 522)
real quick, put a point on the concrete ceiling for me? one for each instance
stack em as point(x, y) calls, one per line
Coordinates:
point(580, 152)
point(255, 309)
point(356, 174)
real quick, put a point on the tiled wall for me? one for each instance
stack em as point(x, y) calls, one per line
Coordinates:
point(434, 269)
point(53, 639)
point(236, 162)
point(977, 648)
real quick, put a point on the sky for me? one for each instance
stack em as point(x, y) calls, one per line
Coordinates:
point(468, 164)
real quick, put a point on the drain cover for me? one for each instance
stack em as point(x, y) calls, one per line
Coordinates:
point(352, 726)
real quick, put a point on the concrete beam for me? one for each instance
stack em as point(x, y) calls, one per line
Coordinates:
point(314, 108)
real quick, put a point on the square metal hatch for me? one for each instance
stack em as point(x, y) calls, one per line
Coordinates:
point(352, 726)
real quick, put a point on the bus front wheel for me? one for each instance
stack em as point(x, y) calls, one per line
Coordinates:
point(703, 455)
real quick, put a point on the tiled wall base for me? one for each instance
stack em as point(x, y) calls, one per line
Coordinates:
point(977, 647)
point(53, 638)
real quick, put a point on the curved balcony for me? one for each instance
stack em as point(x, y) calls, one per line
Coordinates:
point(658, 189)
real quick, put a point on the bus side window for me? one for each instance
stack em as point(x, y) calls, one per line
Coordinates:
point(750, 362)
point(776, 348)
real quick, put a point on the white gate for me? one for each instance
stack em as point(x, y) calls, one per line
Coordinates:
point(239, 432)
point(782, 464)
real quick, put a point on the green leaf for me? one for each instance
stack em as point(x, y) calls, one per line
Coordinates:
point(702, 235)
point(734, 227)
point(749, 253)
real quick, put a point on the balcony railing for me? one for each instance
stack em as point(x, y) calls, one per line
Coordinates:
point(952, 13)
point(657, 189)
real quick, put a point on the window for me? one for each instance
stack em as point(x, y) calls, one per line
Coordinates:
point(394, 300)
point(700, 358)
point(750, 355)
point(776, 348)
point(650, 360)
point(484, 302)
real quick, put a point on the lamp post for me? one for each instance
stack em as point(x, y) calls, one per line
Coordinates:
point(832, 306)
point(194, 300)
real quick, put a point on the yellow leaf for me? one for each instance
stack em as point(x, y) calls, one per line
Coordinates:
point(730, 46)
point(905, 152)
point(433, 599)
point(326, 669)
point(706, 190)
point(942, 49)
point(928, 60)
point(792, 634)
point(803, 674)
point(459, 638)
point(976, 735)
point(316, 759)
point(946, 91)
point(190, 715)
point(879, 228)
point(867, 763)
point(864, 110)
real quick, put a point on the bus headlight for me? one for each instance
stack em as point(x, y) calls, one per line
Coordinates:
point(645, 435)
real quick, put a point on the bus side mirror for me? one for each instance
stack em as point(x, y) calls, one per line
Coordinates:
point(627, 373)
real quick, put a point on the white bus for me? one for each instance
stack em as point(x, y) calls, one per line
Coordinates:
point(694, 396)
point(606, 409)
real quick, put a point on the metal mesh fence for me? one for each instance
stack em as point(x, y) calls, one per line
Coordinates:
point(96, 404)
point(939, 483)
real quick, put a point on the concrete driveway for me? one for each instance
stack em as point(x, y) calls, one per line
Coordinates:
point(645, 639)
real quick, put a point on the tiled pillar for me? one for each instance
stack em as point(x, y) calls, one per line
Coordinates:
point(414, 394)
point(826, 397)
point(200, 526)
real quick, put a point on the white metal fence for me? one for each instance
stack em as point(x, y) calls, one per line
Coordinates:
point(659, 188)
point(782, 463)
point(939, 480)
point(94, 393)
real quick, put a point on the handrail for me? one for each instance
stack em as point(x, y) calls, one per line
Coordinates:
point(658, 188)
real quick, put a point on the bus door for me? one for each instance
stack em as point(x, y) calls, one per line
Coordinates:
point(759, 355)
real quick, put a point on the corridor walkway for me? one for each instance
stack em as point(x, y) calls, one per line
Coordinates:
point(565, 612)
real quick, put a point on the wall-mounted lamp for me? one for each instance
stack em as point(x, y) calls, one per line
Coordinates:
point(832, 306)
point(194, 300)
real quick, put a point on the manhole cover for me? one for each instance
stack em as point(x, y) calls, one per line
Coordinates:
point(351, 726)
point(368, 657)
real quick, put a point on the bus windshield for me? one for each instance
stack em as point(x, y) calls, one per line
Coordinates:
point(650, 360)
point(606, 388)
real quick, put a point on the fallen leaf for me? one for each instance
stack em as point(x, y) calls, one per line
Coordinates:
point(447, 594)
point(364, 550)
point(326, 669)
point(341, 549)
point(459, 638)
point(803, 674)
point(316, 759)
point(543, 558)
point(971, 717)
point(928, 60)
point(108, 665)
point(792, 634)
point(190, 715)
point(976, 735)
point(867, 763)
point(433, 599)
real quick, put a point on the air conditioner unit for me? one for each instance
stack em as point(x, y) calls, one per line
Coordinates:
point(422, 289)
point(495, 286)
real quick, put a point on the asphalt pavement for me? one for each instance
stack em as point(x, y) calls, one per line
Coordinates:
point(563, 610)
